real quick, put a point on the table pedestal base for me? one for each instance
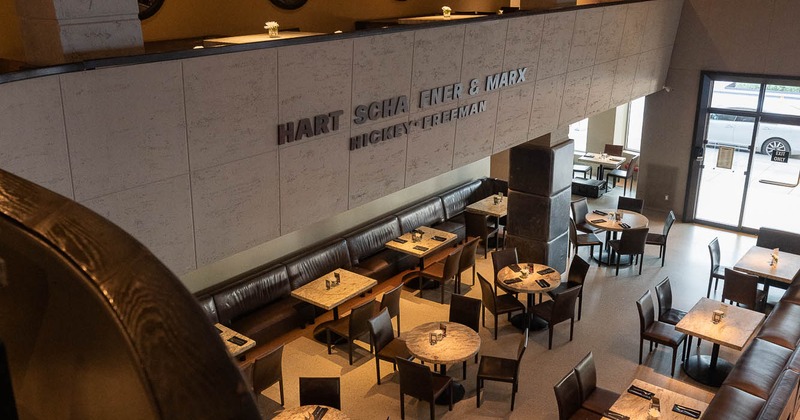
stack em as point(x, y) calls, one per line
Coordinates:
point(532, 322)
point(458, 395)
point(603, 257)
point(700, 369)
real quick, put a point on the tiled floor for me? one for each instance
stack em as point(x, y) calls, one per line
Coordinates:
point(609, 328)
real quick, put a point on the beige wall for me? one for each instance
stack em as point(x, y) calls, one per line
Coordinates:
point(733, 36)
point(183, 154)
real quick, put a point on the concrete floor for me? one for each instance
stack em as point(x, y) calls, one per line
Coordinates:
point(609, 328)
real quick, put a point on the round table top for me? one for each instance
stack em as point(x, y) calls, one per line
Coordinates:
point(304, 412)
point(460, 344)
point(631, 218)
point(528, 284)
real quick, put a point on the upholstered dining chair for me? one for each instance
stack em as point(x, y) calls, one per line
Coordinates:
point(580, 208)
point(656, 331)
point(466, 311)
point(578, 269)
point(444, 271)
point(501, 369)
point(625, 174)
point(417, 380)
point(387, 347)
point(584, 239)
point(267, 370)
point(742, 288)
point(568, 398)
point(468, 259)
point(558, 310)
point(613, 149)
point(477, 225)
point(586, 170)
point(353, 326)
point(631, 242)
point(668, 314)
point(593, 398)
point(660, 239)
point(500, 259)
point(497, 305)
point(631, 204)
point(391, 301)
point(321, 391)
point(717, 272)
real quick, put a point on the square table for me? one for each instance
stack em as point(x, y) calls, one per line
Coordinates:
point(488, 207)
point(406, 245)
point(756, 262)
point(602, 161)
point(246, 39)
point(734, 331)
point(636, 407)
point(234, 349)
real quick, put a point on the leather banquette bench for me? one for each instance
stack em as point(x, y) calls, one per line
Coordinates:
point(258, 303)
point(764, 381)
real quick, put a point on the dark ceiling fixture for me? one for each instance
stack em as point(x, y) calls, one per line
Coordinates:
point(289, 4)
point(148, 8)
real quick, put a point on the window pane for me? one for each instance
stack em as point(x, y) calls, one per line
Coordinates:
point(735, 95)
point(635, 118)
point(730, 130)
point(781, 99)
point(577, 132)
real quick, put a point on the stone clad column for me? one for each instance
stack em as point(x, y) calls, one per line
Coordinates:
point(539, 192)
point(62, 31)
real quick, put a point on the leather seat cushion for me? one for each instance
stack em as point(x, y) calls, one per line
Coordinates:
point(385, 264)
point(209, 308)
point(372, 239)
point(758, 368)
point(600, 400)
point(426, 213)
point(782, 326)
point(315, 263)
point(270, 321)
point(457, 199)
point(734, 404)
point(458, 228)
point(251, 293)
point(792, 294)
point(663, 333)
point(673, 316)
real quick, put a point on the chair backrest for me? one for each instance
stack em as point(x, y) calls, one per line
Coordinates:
point(415, 379)
point(380, 330)
point(664, 296)
point(468, 254)
point(668, 224)
point(646, 310)
point(359, 319)
point(587, 375)
point(451, 264)
point(740, 287)
point(568, 395)
point(564, 305)
point(267, 369)
point(573, 235)
point(487, 295)
point(578, 269)
point(465, 310)
point(476, 224)
point(321, 391)
point(391, 301)
point(503, 258)
point(632, 166)
point(633, 241)
point(580, 208)
point(713, 251)
point(632, 204)
point(613, 149)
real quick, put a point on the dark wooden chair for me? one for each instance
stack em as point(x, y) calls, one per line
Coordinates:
point(568, 398)
point(444, 271)
point(391, 301)
point(477, 225)
point(418, 381)
point(631, 242)
point(497, 305)
point(321, 391)
point(500, 259)
point(267, 370)
point(613, 149)
point(631, 204)
point(593, 398)
point(717, 272)
point(578, 269)
point(742, 288)
point(501, 369)
point(656, 331)
point(626, 174)
point(387, 347)
point(466, 311)
point(558, 310)
point(353, 326)
point(666, 313)
point(468, 259)
point(660, 239)
point(584, 239)
point(580, 208)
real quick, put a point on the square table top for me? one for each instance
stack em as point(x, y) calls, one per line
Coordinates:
point(434, 18)
point(488, 207)
point(427, 242)
point(350, 286)
point(233, 348)
point(597, 158)
point(246, 39)
point(756, 262)
point(636, 407)
point(734, 331)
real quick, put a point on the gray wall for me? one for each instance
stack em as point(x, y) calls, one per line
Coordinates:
point(183, 154)
point(734, 36)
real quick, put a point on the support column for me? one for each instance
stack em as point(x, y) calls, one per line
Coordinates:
point(539, 192)
point(63, 31)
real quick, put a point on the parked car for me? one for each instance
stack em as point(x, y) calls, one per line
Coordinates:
point(737, 131)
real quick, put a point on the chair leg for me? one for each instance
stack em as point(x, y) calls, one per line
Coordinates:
point(280, 386)
point(451, 398)
point(710, 280)
point(441, 300)
point(378, 369)
point(483, 315)
point(328, 339)
point(473, 274)
point(350, 343)
point(433, 409)
point(571, 327)
point(495, 326)
point(478, 387)
point(550, 338)
point(464, 366)
point(513, 395)
point(398, 324)
point(618, 258)
point(402, 407)
point(663, 254)
point(674, 354)
point(580, 304)
point(641, 263)
point(641, 347)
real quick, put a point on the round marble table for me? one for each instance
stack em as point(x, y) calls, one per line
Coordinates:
point(304, 412)
point(609, 224)
point(530, 286)
point(461, 343)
